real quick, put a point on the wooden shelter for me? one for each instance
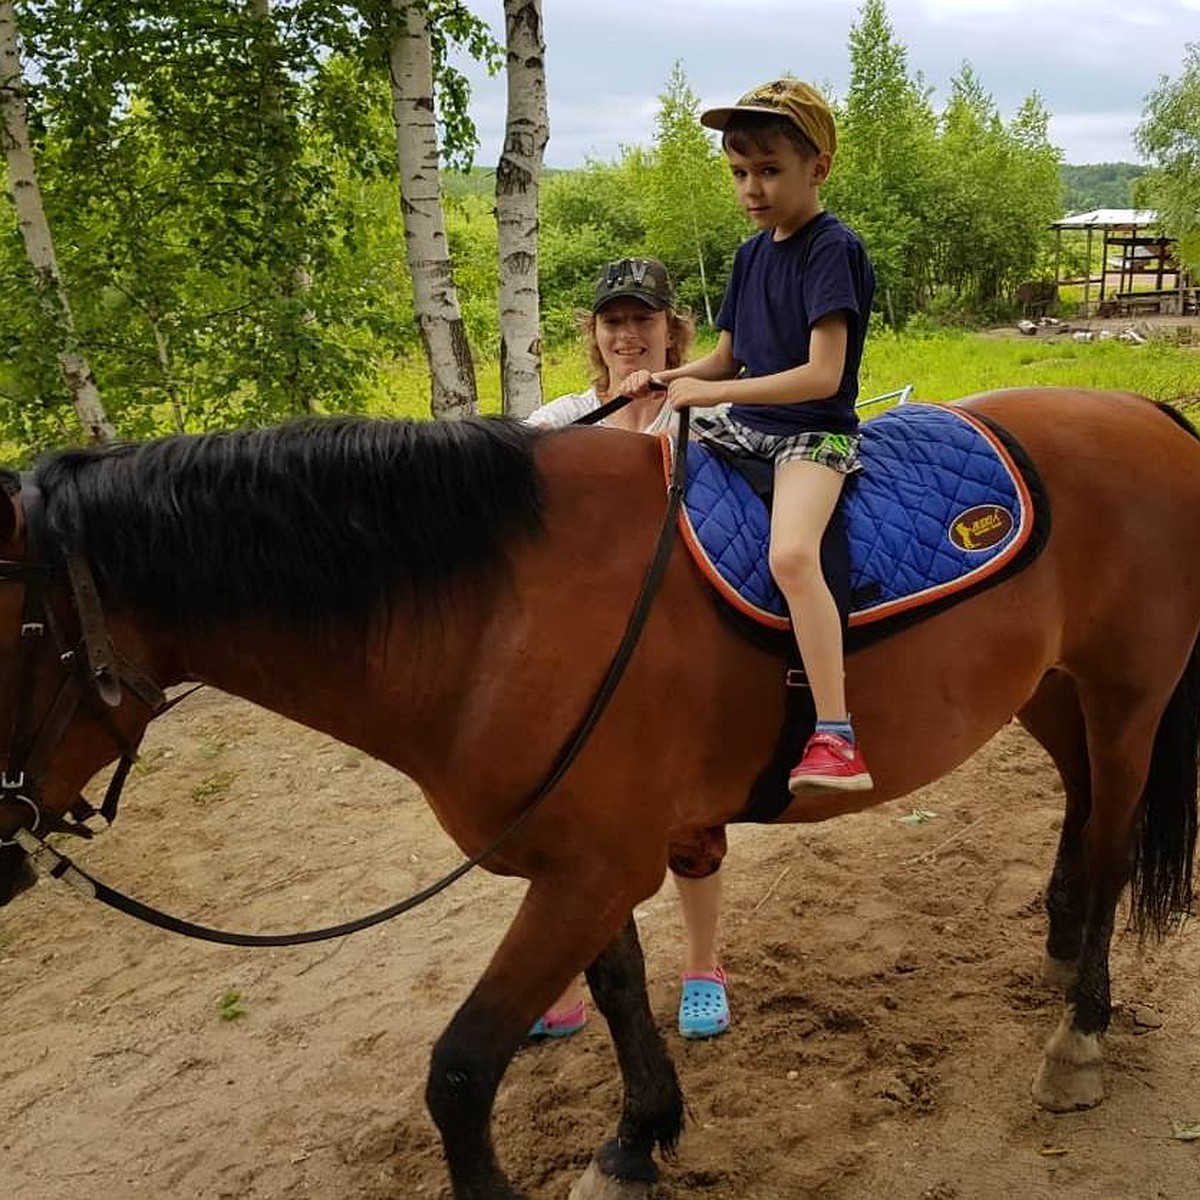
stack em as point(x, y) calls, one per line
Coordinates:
point(1139, 272)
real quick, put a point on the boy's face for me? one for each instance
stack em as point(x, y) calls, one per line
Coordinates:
point(778, 188)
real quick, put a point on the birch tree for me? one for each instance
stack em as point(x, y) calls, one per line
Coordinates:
point(525, 135)
point(36, 236)
point(443, 334)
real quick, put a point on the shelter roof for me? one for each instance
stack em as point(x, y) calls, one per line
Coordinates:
point(1108, 218)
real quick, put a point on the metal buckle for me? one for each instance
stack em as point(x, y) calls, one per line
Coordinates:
point(48, 861)
point(32, 629)
point(795, 677)
point(14, 784)
point(37, 820)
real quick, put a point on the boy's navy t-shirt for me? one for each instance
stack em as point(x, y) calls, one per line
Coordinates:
point(777, 292)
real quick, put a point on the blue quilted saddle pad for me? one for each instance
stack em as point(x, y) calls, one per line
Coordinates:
point(939, 506)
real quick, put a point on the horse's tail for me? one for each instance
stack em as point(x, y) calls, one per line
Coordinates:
point(1162, 871)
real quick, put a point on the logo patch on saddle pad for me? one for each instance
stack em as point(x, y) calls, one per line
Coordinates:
point(944, 503)
point(981, 527)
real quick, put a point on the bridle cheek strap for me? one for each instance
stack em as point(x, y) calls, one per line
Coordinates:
point(94, 674)
point(101, 660)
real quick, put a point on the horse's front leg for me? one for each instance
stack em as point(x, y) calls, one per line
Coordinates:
point(547, 944)
point(652, 1116)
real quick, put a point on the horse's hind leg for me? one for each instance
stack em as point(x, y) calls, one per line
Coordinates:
point(623, 1168)
point(1121, 726)
point(1055, 719)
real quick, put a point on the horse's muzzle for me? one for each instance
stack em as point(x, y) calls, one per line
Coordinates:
point(16, 873)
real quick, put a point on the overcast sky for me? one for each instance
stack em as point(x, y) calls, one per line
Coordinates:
point(1092, 61)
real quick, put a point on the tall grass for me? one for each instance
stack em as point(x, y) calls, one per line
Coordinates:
point(940, 366)
point(945, 366)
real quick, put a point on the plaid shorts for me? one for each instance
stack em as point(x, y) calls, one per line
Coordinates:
point(838, 451)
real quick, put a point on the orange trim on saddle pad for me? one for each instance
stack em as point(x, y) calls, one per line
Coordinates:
point(872, 613)
point(869, 615)
point(691, 539)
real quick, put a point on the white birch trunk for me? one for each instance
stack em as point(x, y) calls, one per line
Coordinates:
point(443, 334)
point(35, 232)
point(525, 135)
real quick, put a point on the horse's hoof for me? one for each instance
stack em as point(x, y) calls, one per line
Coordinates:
point(1070, 1076)
point(593, 1184)
point(1059, 973)
point(1064, 1087)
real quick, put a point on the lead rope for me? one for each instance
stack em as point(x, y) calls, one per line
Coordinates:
point(57, 865)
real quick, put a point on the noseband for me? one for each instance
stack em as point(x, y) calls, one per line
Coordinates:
point(92, 674)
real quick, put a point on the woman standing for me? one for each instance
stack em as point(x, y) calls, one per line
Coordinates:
point(634, 326)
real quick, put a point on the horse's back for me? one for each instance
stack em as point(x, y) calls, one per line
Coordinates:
point(1117, 434)
point(1122, 477)
point(1122, 473)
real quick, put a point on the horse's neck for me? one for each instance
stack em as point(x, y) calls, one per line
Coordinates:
point(379, 693)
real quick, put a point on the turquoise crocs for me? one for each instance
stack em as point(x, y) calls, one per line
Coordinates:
point(560, 1024)
point(704, 1005)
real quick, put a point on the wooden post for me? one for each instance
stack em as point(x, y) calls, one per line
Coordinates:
point(1087, 279)
point(1103, 262)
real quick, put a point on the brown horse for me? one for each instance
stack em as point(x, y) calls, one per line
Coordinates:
point(448, 598)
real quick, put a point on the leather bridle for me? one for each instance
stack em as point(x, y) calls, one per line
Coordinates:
point(92, 675)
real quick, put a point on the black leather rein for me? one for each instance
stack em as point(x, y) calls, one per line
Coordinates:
point(57, 865)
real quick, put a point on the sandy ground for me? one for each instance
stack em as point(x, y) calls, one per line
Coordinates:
point(887, 1012)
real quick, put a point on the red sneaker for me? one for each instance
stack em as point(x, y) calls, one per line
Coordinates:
point(831, 762)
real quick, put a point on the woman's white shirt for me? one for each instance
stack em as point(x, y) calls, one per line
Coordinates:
point(571, 407)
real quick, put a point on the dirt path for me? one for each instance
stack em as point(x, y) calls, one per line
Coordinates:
point(887, 1014)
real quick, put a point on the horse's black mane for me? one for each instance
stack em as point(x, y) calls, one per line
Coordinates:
point(311, 520)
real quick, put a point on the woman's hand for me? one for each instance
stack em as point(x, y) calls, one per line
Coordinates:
point(694, 393)
point(638, 385)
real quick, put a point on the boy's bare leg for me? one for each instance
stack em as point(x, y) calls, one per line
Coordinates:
point(806, 494)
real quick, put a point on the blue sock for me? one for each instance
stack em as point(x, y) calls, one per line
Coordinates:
point(841, 728)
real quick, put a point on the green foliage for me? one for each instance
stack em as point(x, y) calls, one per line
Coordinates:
point(587, 218)
point(453, 27)
point(998, 190)
point(955, 210)
point(886, 157)
point(221, 181)
point(692, 219)
point(195, 205)
point(1169, 136)
point(1099, 185)
point(213, 787)
point(474, 251)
